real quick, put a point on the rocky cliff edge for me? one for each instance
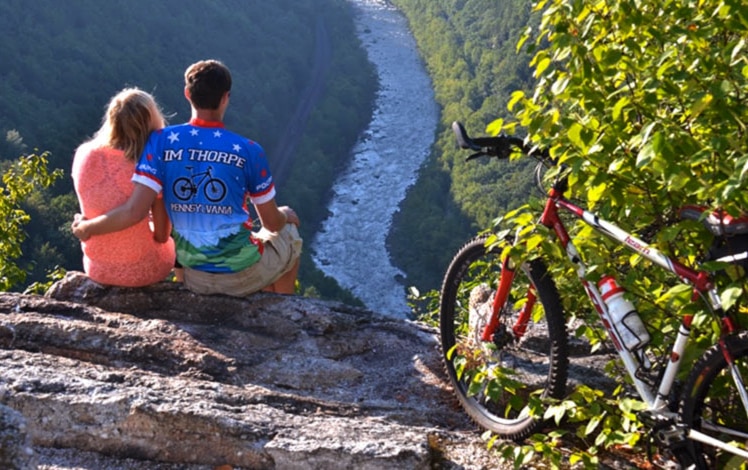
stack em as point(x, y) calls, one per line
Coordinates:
point(162, 378)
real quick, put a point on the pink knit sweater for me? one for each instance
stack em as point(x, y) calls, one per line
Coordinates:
point(131, 257)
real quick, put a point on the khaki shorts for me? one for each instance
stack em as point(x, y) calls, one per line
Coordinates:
point(282, 249)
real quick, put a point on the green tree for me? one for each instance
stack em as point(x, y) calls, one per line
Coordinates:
point(469, 48)
point(645, 103)
point(20, 179)
point(101, 47)
point(646, 106)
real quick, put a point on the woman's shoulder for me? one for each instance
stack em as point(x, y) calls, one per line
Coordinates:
point(93, 148)
point(91, 158)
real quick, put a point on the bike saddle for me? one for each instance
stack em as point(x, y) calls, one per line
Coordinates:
point(718, 222)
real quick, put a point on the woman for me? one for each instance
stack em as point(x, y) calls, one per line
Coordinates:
point(102, 167)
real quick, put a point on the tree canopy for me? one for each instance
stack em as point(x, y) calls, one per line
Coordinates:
point(646, 103)
point(63, 61)
point(646, 106)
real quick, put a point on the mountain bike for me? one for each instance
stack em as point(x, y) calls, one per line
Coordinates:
point(186, 188)
point(506, 347)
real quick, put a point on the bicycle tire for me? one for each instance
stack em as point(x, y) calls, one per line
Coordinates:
point(183, 189)
point(538, 360)
point(214, 190)
point(711, 397)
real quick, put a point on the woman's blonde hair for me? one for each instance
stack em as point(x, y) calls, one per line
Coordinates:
point(128, 122)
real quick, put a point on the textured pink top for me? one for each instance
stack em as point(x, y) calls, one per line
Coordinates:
point(130, 257)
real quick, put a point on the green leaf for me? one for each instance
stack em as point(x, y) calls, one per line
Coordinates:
point(560, 84)
point(729, 296)
point(619, 106)
point(575, 135)
point(596, 193)
point(593, 423)
point(701, 104)
point(542, 66)
point(737, 52)
point(516, 97)
point(495, 127)
point(645, 157)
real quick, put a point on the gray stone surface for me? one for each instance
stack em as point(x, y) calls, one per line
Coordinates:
point(16, 452)
point(113, 378)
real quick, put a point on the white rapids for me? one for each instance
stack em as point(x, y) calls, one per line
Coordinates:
point(351, 246)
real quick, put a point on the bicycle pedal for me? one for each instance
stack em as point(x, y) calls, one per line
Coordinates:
point(665, 429)
point(671, 436)
point(665, 463)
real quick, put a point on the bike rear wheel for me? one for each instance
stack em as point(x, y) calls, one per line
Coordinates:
point(712, 404)
point(183, 189)
point(500, 383)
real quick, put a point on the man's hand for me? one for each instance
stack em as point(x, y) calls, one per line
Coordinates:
point(274, 218)
point(79, 228)
point(291, 217)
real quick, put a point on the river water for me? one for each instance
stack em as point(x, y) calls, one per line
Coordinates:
point(351, 246)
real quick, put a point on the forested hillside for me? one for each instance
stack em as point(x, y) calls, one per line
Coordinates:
point(62, 61)
point(470, 51)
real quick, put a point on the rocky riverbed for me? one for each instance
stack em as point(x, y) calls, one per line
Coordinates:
point(351, 247)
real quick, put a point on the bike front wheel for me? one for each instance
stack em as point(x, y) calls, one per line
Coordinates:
point(214, 190)
point(715, 403)
point(501, 383)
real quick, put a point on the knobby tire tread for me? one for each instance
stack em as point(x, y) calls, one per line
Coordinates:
point(548, 296)
point(709, 366)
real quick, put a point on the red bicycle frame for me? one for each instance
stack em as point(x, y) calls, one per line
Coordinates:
point(699, 280)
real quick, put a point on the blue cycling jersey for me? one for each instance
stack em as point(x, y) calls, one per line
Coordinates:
point(206, 174)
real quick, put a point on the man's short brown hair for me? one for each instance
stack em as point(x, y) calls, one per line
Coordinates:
point(207, 81)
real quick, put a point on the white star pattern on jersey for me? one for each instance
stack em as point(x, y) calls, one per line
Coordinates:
point(173, 137)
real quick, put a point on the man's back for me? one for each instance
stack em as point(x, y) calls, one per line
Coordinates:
point(205, 173)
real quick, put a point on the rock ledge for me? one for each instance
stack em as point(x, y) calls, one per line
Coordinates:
point(164, 378)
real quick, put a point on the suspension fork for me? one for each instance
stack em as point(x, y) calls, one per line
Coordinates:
point(728, 327)
point(735, 373)
point(508, 271)
point(506, 279)
point(503, 292)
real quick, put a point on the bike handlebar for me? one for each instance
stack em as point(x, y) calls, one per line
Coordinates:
point(500, 146)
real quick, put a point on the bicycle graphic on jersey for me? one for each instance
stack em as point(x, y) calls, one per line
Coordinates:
point(213, 188)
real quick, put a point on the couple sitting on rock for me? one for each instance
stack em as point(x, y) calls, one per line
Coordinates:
point(153, 198)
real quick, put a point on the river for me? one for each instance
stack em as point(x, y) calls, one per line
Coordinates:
point(351, 246)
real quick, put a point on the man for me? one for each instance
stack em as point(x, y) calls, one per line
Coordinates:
point(205, 174)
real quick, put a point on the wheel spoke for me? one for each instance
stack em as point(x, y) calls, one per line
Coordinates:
point(500, 382)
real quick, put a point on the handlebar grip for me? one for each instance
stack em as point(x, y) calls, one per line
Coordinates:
point(463, 140)
point(499, 146)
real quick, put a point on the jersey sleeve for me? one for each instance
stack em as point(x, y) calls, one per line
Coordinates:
point(260, 181)
point(148, 169)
